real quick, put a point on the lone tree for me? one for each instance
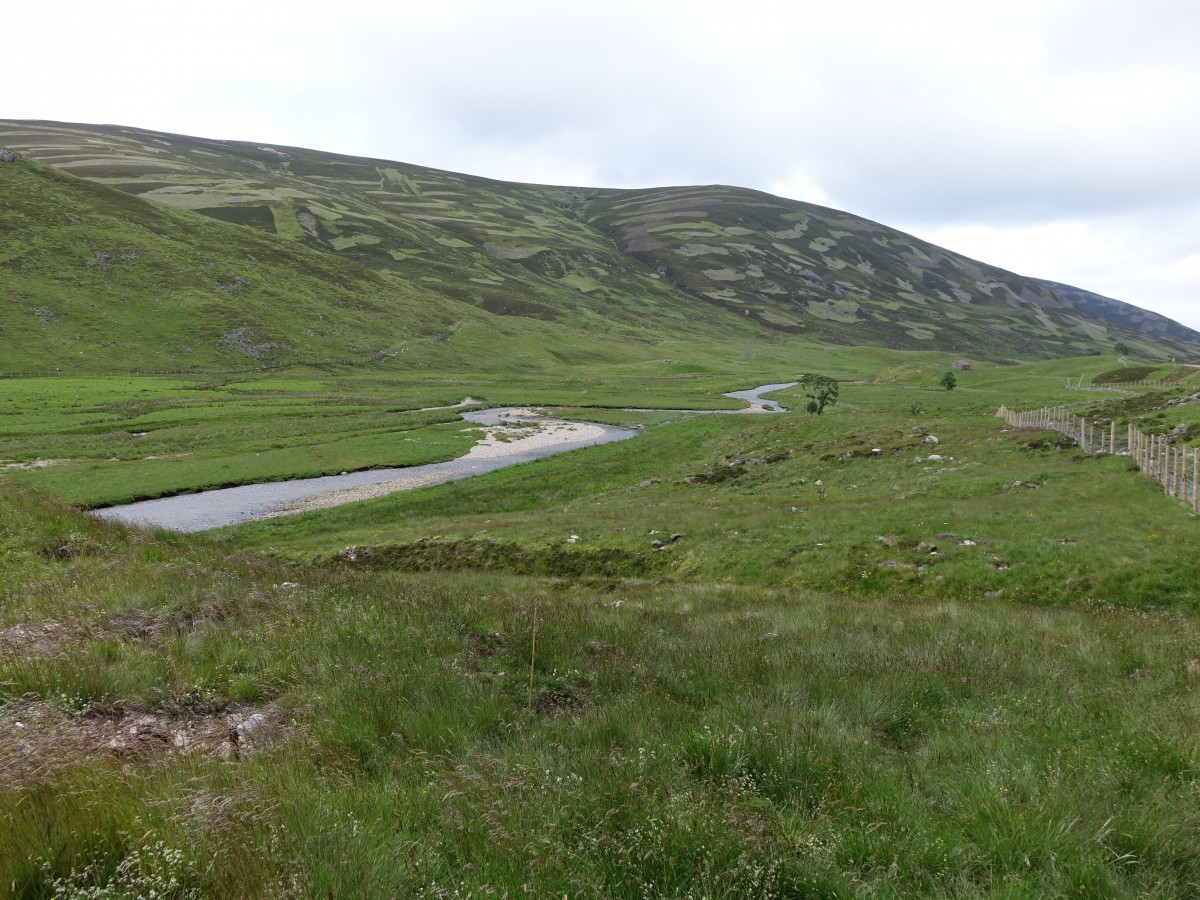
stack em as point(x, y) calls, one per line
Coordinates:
point(1121, 349)
point(949, 382)
point(821, 391)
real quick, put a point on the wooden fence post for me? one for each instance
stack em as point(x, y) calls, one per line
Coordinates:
point(1164, 468)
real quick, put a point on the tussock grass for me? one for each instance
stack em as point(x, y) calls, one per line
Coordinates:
point(736, 740)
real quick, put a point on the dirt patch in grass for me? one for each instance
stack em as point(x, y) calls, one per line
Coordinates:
point(41, 641)
point(47, 640)
point(38, 739)
point(555, 701)
point(491, 555)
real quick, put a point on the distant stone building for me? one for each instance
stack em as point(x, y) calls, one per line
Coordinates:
point(961, 364)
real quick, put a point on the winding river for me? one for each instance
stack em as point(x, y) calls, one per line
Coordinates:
point(228, 506)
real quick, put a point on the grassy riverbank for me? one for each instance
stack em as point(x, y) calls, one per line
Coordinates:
point(807, 503)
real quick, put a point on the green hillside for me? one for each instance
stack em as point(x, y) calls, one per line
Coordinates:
point(94, 279)
point(617, 264)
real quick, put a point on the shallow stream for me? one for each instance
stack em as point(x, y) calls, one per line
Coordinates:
point(228, 506)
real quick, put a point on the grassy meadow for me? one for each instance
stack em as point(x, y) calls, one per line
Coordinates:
point(855, 673)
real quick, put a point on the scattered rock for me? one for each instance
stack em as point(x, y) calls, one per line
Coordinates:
point(230, 287)
point(920, 429)
point(242, 340)
point(931, 439)
point(640, 486)
point(7, 156)
point(44, 738)
point(246, 730)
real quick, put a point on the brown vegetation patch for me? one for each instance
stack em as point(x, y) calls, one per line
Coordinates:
point(1054, 442)
point(1125, 375)
point(47, 639)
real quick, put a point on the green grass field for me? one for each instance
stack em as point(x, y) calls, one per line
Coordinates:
point(854, 674)
point(896, 650)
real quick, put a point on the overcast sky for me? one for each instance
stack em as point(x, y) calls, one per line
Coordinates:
point(1057, 138)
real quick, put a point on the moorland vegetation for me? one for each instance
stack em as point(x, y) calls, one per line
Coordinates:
point(898, 648)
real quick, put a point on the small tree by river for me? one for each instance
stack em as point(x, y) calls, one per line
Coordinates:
point(821, 392)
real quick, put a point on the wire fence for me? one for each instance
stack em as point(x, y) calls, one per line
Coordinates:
point(1176, 468)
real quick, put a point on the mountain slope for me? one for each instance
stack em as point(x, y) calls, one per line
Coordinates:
point(813, 270)
point(92, 278)
point(620, 265)
point(1122, 315)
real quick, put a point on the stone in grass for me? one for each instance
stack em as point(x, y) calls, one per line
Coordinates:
point(931, 439)
point(7, 156)
point(247, 729)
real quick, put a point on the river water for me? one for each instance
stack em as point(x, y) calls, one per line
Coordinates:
point(228, 506)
